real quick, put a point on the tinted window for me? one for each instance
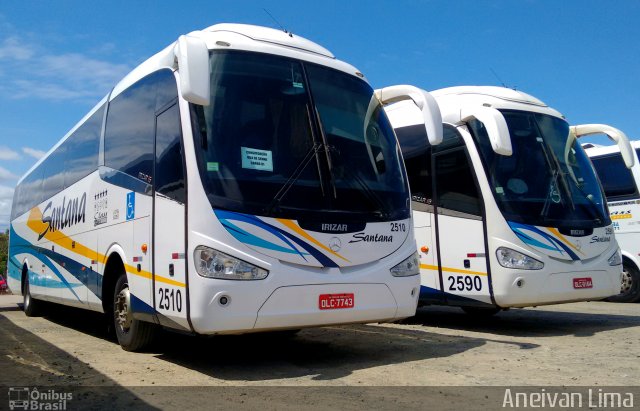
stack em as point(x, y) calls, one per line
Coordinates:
point(169, 174)
point(417, 158)
point(82, 149)
point(53, 172)
point(128, 143)
point(28, 193)
point(455, 183)
point(615, 177)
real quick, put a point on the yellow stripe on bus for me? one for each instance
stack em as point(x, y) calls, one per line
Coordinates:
point(35, 223)
point(294, 227)
point(564, 240)
point(452, 270)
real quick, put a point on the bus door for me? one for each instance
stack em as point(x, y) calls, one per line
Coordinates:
point(460, 226)
point(417, 158)
point(169, 243)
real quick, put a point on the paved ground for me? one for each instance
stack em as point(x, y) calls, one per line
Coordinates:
point(591, 344)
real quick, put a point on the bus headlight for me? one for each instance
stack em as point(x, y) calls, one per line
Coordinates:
point(408, 267)
point(616, 258)
point(509, 258)
point(215, 264)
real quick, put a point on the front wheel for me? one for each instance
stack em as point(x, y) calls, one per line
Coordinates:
point(132, 334)
point(31, 306)
point(630, 287)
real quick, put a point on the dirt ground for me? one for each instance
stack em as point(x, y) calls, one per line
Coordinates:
point(592, 344)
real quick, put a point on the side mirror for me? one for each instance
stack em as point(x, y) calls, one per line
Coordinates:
point(495, 124)
point(614, 134)
point(423, 100)
point(192, 55)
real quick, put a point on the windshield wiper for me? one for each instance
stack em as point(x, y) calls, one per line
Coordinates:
point(312, 153)
point(277, 199)
point(375, 198)
point(554, 164)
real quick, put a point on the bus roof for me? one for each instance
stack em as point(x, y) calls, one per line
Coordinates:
point(227, 36)
point(451, 99)
point(593, 150)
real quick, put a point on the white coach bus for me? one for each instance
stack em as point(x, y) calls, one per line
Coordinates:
point(242, 179)
point(620, 185)
point(508, 211)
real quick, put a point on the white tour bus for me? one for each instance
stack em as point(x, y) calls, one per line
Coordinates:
point(242, 179)
point(620, 185)
point(508, 211)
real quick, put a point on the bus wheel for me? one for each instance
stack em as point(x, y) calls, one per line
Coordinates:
point(31, 306)
point(484, 312)
point(132, 334)
point(630, 288)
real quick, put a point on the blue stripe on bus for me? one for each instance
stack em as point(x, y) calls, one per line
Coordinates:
point(88, 277)
point(224, 216)
point(556, 245)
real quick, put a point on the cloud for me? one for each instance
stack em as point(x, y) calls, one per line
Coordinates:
point(33, 71)
point(6, 198)
point(37, 154)
point(6, 175)
point(13, 48)
point(8, 154)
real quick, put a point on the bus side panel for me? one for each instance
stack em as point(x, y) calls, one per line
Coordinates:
point(169, 268)
point(463, 259)
point(430, 290)
point(625, 218)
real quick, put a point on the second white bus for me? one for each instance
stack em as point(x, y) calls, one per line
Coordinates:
point(508, 211)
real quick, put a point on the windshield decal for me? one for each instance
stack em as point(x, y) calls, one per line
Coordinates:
point(256, 159)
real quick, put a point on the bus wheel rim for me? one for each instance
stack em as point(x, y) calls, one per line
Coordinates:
point(123, 309)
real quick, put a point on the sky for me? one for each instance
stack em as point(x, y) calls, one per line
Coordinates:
point(59, 58)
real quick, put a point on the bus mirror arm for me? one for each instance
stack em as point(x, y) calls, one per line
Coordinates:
point(619, 137)
point(495, 124)
point(423, 100)
point(192, 56)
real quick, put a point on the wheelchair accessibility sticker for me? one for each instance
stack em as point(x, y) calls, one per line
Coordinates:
point(131, 205)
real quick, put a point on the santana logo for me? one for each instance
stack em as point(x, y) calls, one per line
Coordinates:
point(597, 239)
point(65, 215)
point(371, 238)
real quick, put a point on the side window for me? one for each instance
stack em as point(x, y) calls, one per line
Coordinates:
point(53, 172)
point(128, 142)
point(417, 159)
point(455, 182)
point(29, 192)
point(169, 172)
point(615, 177)
point(450, 138)
point(82, 149)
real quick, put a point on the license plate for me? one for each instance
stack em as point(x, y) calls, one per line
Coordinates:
point(584, 282)
point(335, 301)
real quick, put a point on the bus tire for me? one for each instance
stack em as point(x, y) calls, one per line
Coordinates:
point(31, 306)
point(630, 287)
point(481, 312)
point(132, 334)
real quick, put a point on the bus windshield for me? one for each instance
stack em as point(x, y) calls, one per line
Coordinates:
point(287, 139)
point(548, 180)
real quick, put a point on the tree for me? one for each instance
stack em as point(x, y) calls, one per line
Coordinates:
point(4, 242)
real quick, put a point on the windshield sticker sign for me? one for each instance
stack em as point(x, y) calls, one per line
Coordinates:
point(255, 159)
